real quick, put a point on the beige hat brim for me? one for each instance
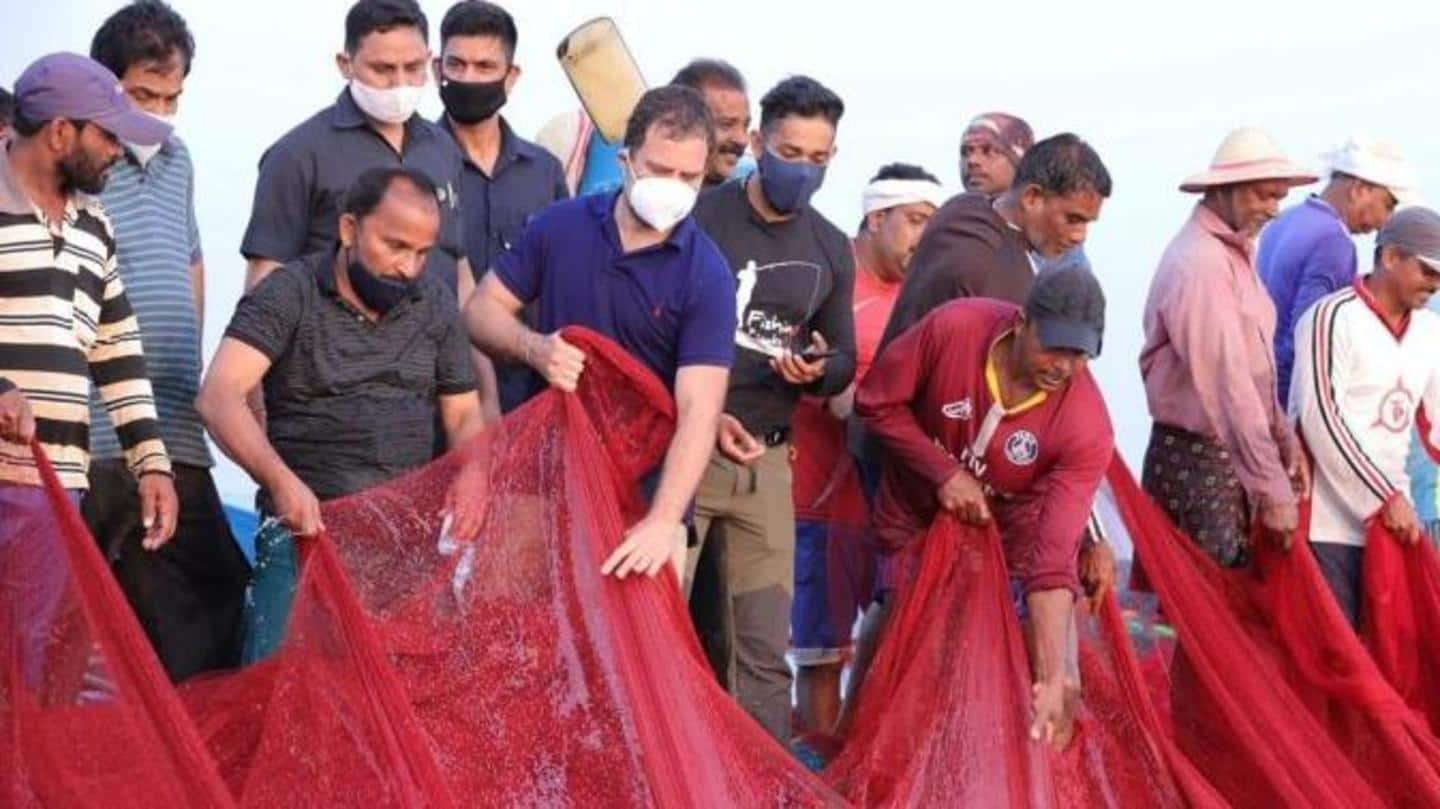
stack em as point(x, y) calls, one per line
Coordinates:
point(1248, 172)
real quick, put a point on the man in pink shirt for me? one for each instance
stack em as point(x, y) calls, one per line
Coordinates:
point(834, 559)
point(1221, 450)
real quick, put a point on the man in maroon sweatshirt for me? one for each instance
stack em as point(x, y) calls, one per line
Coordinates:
point(987, 410)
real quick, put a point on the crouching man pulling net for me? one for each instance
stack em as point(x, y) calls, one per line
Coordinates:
point(987, 412)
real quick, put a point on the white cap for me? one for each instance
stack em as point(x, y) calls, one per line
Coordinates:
point(1378, 162)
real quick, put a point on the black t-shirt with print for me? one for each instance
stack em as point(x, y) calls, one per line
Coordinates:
point(791, 278)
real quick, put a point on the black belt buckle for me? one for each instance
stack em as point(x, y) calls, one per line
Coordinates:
point(775, 437)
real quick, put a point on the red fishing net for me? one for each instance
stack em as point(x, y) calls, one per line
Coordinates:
point(418, 671)
point(1274, 699)
point(87, 715)
point(1401, 620)
point(943, 714)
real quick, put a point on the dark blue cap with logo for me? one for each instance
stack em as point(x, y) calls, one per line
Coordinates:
point(1067, 307)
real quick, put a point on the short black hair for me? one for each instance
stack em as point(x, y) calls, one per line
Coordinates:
point(1063, 164)
point(24, 127)
point(477, 18)
point(701, 73)
point(369, 16)
point(800, 96)
point(679, 111)
point(7, 107)
point(144, 31)
point(370, 188)
point(903, 171)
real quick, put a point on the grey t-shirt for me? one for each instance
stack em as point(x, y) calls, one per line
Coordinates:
point(351, 403)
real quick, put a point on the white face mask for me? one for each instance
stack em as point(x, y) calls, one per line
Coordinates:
point(144, 154)
point(393, 105)
point(660, 202)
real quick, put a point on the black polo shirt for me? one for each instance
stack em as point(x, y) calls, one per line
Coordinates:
point(351, 403)
point(496, 208)
point(304, 177)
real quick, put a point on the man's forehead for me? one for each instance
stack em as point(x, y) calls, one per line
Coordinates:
point(803, 132)
point(401, 43)
point(475, 47)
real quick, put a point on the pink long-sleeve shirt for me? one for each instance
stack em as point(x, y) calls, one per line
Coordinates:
point(1208, 360)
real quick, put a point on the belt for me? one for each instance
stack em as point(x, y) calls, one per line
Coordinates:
point(775, 437)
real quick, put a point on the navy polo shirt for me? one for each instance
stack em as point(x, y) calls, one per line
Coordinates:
point(304, 177)
point(496, 207)
point(669, 305)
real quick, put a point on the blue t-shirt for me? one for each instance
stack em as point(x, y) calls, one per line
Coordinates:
point(1305, 254)
point(669, 305)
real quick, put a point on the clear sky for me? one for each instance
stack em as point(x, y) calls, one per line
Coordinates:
point(1153, 85)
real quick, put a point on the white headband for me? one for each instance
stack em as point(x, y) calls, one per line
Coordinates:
point(883, 194)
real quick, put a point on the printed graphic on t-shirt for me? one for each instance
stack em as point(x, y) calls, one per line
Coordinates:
point(1395, 408)
point(962, 410)
point(773, 302)
point(1022, 448)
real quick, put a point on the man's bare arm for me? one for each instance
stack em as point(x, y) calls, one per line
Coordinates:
point(235, 371)
point(699, 398)
point(460, 413)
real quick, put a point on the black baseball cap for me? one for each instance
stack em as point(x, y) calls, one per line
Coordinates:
point(1067, 307)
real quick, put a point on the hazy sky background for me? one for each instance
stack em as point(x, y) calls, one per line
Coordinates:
point(1154, 86)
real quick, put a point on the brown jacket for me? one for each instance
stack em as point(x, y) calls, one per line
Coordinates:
point(967, 251)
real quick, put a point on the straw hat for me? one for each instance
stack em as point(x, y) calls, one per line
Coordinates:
point(1248, 155)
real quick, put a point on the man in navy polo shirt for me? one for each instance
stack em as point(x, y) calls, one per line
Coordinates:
point(631, 265)
point(373, 123)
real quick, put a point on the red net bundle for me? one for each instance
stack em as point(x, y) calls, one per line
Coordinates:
point(417, 670)
point(943, 717)
point(1273, 697)
point(532, 679)
point(87, 715)
point(1401, 617)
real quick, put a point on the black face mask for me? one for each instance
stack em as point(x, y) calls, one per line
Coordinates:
point(379, 294)
point(470, 102)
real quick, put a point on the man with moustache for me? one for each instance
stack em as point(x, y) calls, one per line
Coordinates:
point(1364, 368)
point(65, 322)
point(1221, 449)
point(978, 247)
point(723, 89)
point(990, 151)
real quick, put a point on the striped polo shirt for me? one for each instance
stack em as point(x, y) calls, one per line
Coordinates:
point(64, 321)
point(153, 211)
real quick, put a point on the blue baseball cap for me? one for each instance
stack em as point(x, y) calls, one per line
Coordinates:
point(68, 85)
point(1067, 307)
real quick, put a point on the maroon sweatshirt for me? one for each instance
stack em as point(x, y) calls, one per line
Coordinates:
point(926, 399)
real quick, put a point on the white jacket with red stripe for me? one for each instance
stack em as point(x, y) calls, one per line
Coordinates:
point(1358, 390)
